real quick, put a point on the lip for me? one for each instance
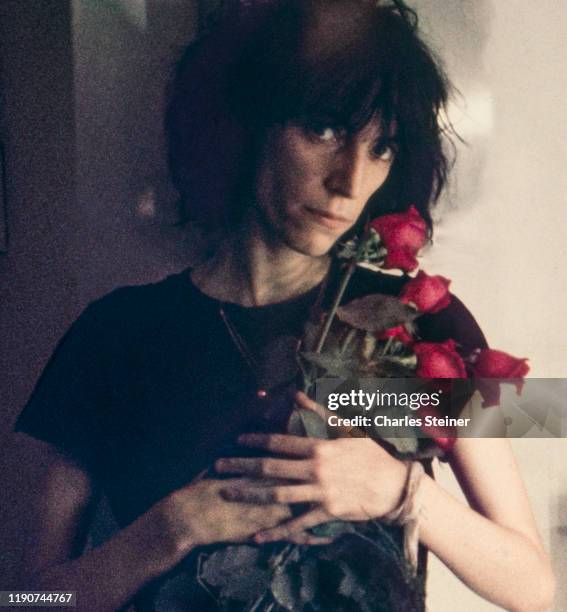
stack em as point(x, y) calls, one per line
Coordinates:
point(327, 219)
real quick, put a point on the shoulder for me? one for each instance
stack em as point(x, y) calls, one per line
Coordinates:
point(453, 322)
point(133, 305)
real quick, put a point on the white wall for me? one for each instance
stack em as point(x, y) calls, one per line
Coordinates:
point(502, 235)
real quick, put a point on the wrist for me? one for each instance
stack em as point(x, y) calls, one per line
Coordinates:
point(164, 536)
point(392, 496)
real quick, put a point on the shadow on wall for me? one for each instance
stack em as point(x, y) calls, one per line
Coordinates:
point(459, 32)
point(124, 53)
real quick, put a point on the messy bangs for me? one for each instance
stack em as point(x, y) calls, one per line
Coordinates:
point(371, 66)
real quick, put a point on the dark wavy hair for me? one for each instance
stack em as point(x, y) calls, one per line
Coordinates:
point(260, 67)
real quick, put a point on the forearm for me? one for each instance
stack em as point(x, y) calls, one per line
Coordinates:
point(108, 576)
point(500, 564)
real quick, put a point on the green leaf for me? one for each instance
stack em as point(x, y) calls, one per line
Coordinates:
point(404, 446)
point(332, 529)
point(333, 365)
point(346, 250)
point(313, 424)
point(372, 250)
point(376, 313)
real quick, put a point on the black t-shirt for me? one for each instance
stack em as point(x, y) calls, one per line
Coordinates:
point(147, 387)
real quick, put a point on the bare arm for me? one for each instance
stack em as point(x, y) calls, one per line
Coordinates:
point(493, 546)
point(106, 577)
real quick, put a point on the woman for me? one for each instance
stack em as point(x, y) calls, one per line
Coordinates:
point(333, 106)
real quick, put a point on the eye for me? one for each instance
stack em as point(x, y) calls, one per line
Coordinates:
point(385, 151)
point(326, 134)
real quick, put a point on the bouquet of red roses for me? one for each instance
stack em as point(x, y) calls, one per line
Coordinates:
point(377, 336)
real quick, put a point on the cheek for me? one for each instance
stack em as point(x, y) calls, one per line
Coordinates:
point(377, 176)
point(304, 172)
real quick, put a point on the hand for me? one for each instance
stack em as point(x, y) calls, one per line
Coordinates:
point(349, 479)
point(197, 515)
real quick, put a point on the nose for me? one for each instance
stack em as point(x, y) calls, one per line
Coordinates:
point(346, 177)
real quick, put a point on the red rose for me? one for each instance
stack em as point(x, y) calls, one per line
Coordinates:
point(428, 293)
point(488, 363)
point(443, 435)
point(399, 333)
point(439, 360)
point(402, 235)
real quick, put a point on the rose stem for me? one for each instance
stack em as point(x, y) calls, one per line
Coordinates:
point(342, 288)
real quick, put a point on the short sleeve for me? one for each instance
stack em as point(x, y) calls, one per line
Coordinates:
point(62, 409)
point(454, 322)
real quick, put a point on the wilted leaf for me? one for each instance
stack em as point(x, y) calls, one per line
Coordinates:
point(286, 586)
point(333, 365)
point(313, 425)
point(309, 576)
point(376, 313)
point(235, 571)
point(311, 332)
point(368, 345)
point(352, 587)
point(392, 367)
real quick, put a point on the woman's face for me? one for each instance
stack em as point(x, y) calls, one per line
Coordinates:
point(313, 185)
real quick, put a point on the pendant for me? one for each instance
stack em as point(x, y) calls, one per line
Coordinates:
point(262, 393)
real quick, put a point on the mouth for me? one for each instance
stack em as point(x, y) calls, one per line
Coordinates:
point(328, 220)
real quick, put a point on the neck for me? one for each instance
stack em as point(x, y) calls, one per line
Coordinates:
point(252, 270)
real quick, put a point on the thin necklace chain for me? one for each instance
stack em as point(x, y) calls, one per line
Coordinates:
point(239, 341)
point(243, 347)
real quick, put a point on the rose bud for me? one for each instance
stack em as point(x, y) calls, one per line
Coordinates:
point(439, 360)
point(399, 333)
point(488, 363)
point(429, 294)
point(402, 235)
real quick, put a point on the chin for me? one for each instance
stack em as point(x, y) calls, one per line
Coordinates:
point(312, 244)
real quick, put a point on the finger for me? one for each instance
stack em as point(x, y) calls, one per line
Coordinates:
point(293, 527)
point(266, 467)
point(273, 495)
point(200, 476)
point(306, 402)
point(308, 539)
point(295, 446)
